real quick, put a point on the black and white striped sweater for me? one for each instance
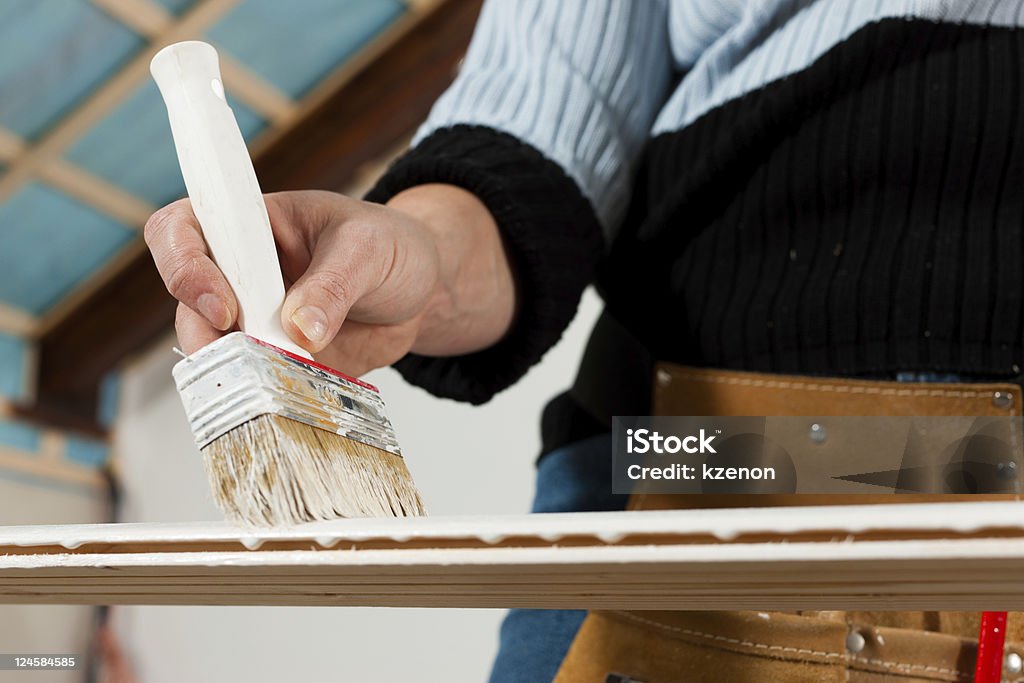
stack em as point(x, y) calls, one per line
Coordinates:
point(804, 186)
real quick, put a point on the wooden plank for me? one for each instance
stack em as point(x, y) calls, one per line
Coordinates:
point(925, 575)
point(359, 116)
point(719, 526)
point(932, 556)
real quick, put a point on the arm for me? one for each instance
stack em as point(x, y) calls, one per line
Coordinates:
point(544, 123)
point(473, 301)
point(490, 227)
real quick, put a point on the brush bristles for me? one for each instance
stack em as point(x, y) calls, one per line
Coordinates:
point(274, 471)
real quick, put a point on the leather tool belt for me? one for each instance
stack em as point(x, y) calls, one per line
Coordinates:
point(767, 647)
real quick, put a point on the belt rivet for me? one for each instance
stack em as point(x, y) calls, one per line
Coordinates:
point(1002, 399)
point(818, 433)
point(1007, 469)
point(1013, 663)
point(855, 642)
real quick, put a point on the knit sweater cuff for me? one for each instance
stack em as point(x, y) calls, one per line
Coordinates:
point(551, 235)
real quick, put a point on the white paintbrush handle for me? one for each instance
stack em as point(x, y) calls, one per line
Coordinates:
point(222, 185)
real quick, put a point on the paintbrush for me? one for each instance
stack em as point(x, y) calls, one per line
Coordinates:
point(284, 439)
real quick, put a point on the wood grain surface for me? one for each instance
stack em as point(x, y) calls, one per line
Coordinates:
point(934, 556)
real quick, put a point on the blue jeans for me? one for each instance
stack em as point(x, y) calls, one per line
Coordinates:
point(575, 478)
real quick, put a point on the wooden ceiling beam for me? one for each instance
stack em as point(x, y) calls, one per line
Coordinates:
point(87, 188)
point(17, 322)
point(365, 117)
point(347, 70)
point(11, 146)
point(84, 291)
point(376, 108)
point(76, 354)
point(98, 193)
point(256, 92)
point(145, 17)
point(151, 20)
point(29, 164)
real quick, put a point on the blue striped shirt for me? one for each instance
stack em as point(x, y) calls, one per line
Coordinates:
point(587, 82)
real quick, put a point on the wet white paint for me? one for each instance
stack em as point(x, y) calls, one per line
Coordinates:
point(606, 527)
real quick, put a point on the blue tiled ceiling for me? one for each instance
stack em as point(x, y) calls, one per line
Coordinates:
point(48, 244)
point(176, 6)
point(52, 54)
point(19, 436)
point(13, 367)
point(86, 451)
point(294, 45)
point(133, 148)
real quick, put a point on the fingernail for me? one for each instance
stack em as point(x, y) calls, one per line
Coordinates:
point(311, 321)
point(215, 310)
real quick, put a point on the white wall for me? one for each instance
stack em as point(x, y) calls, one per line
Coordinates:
point(46, 629)
point(465, 460)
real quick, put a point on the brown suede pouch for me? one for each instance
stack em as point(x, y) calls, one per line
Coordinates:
point(761, 647)
point(666, 647)
point(770, 647)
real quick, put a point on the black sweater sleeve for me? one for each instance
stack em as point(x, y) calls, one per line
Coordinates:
point(551, 235)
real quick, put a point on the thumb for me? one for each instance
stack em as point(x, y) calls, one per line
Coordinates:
point(344, 268)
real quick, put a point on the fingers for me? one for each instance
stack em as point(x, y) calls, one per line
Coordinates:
point(174, 237)
point(361, 347)
point(349, 261)
point(194, 331)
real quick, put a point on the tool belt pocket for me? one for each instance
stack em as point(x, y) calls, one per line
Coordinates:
point(699, 647)
point(761, 647)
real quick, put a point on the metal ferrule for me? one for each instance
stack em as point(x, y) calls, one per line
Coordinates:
point(238, 378)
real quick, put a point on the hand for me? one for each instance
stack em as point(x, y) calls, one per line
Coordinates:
point(365, 283)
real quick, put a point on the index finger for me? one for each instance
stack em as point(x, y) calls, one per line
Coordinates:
point(176, 242)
